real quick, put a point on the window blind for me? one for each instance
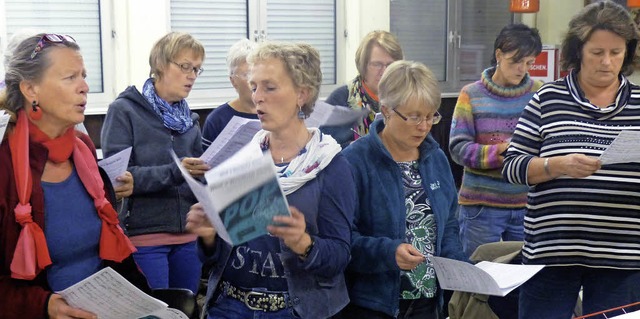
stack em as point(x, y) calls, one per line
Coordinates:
point(77, 18)
point(310, 21)
point(218, 25)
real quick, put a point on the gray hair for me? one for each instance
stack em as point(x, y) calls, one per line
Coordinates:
point(168, 47)
point(238, 53)
point(15, 39)
point(302, 62)
point(404, 80)
point(22, 67)
point(603, 15)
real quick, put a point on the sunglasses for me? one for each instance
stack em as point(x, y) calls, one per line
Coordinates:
point(51, 38)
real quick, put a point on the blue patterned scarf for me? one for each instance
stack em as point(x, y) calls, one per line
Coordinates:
point(176, 117)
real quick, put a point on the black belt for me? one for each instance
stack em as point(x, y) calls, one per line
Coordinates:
point(256, 300)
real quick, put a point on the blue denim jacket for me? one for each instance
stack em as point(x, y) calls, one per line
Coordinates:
point(380, 220)
point(316, 285)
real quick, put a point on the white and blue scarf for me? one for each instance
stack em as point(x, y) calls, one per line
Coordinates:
point(176, 117)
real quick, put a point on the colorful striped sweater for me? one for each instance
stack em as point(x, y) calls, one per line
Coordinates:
point(486, 115)
point(592, 221)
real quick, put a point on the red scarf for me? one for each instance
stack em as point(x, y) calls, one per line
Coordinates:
point(31, 254)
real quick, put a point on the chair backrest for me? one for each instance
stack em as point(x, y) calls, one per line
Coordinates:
point(178, 298)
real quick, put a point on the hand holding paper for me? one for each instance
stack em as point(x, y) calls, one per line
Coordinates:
point(116, 164)
point(242, 195)
point(110, 296)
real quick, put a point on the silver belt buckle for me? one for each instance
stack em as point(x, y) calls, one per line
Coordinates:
point(246, 299)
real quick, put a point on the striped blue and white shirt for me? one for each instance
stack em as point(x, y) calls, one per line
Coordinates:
point(592, 221)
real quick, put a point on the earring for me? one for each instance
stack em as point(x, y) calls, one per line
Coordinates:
point(497, 64)
point(301, 114)
point(36, 112)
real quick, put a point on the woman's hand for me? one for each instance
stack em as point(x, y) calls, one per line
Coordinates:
point(408, 257)
point(575, 165)
point(199, 224)
point(59, 309)
point(195, 166)
point(292, 230)
point(125, 189)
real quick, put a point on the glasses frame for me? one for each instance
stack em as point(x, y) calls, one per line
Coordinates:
point(187, 68)
point(435, 119)
point(50, 38)
point(378, 66)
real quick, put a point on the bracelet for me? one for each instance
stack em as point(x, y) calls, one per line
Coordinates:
point(306, 252)
point(546, 166)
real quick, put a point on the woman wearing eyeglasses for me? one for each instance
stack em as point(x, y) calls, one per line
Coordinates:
point(155, 122)
point(57, 222)
point(484, 119)
point(376, 51)
point(406, 202)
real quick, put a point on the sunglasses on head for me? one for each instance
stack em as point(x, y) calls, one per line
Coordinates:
point(51, 38)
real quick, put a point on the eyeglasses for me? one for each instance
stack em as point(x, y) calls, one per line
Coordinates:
point(416, 120)
point(379, 65)
point(187, 68)
point(50, 38)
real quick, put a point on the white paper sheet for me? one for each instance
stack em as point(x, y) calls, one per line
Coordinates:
point(110, 296)
point(623, 149)
point(236, 134)
point(325, 114)
point(4, 122)
point(486, 278)
point(116, 164)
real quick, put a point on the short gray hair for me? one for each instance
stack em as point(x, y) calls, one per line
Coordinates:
point(404, 80)
point(17, 38)
point(238, 53)
point(302, 62)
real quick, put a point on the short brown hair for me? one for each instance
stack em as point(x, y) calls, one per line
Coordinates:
point(384, 39)
point(168, 47)
point(605, 15)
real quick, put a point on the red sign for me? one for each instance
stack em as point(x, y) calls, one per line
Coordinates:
point(540, 67)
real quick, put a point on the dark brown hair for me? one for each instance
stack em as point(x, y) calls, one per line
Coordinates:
point(605, 15)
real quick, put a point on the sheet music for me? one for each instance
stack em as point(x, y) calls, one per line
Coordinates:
point(242, 194)
point(236, 134)
point(486, 277)
point(325, 114)
point(110, 296)
point(623, 149)
point(116, 164)
point(4, 122)
point(246, 188)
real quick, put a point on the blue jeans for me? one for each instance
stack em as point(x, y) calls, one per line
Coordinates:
point(552, 293)
point(170, 266)
point(229, 308)
point(483, 224)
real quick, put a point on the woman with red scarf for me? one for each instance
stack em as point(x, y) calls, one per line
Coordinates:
point(57, 222)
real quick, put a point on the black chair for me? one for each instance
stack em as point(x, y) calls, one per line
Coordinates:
point(178, 298)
